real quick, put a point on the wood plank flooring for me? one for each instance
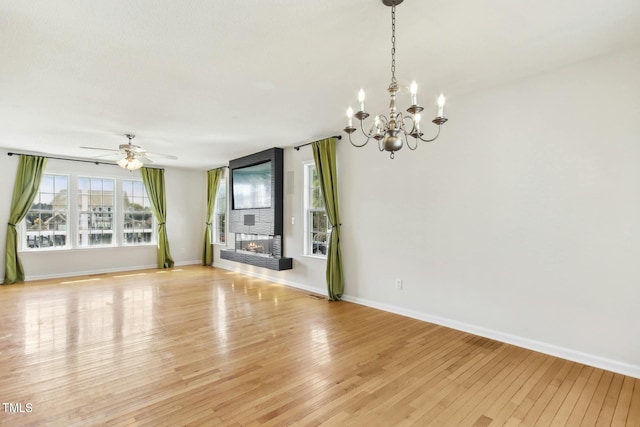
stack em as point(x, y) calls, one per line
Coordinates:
point(204, 346)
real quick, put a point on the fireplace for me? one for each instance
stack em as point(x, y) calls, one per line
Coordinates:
point(258, 244)
point(261, 250)
point(257, 225)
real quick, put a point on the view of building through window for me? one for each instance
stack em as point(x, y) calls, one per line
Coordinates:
point(95, 211)
point(46, 221)
point(220, 214)
point(96, 206)
point(317, 227)
point(138, 216)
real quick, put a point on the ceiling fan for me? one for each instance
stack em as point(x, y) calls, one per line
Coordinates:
point(133, 156)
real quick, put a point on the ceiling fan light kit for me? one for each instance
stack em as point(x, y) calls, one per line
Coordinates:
point(393, 132)
point(130, 163)
point(134, 156)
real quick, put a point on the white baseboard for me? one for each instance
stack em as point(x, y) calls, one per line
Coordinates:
point(29, 278)
point(183, 263)
point(539, 346)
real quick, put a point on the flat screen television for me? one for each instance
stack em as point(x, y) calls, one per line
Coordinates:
point(252, 186)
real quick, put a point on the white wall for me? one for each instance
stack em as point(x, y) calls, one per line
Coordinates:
point(521, 223)
point(186, 206)
point(523, 219)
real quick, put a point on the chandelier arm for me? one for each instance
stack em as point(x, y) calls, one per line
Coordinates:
point(370, 134)
point(404, 128)
point(385, 124)
point(432, 139)
point(356, 145)
point(400, 118)
point(406, 138)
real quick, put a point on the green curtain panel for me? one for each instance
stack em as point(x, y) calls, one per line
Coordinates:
point(324, 155)
point(154, 183)
point(213, 179)
point(25, 189)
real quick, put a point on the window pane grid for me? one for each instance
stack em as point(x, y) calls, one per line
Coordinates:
point(97, 220)
point(317, 224)
point(46, 221)
point(95, 211)
point(138, 216)
point(220, 214)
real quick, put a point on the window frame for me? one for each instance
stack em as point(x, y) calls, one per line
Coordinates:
point(94, 214)
point(122, 213)
point(215, 226)
point(308, 211)
point(23, 232)
point(73, 215)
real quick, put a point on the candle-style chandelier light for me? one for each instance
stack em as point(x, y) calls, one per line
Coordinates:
point(390, 131)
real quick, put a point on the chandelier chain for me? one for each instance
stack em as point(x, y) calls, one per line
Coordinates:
point(393, 43)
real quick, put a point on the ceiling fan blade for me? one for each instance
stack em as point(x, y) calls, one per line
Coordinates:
point(164, 156)
point(144, 159)
point(102, 149)
point(109, 155)
point(130, 150)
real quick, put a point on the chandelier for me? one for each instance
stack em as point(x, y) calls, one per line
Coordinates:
point(393, 132)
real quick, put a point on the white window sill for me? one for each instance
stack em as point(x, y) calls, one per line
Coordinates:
point(48, 249)
point(80, 249)
point(324, 257)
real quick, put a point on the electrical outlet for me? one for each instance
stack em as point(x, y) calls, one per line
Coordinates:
point(399, 284)
point(293, 220)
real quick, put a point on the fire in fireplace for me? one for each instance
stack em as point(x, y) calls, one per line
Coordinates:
point(254, 247)
point(256, 244)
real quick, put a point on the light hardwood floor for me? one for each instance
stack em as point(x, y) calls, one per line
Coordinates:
point(204, 346)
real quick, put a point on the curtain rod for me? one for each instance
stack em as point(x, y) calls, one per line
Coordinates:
point(297, 147)
point(95, 162)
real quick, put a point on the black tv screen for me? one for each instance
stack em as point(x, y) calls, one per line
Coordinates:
point(252, 186)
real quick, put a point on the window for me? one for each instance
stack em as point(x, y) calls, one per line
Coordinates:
point(220, 214)
point(46, 221)
point(138, 216)
point(316, 223)
point(78, 212)
point(96, 206)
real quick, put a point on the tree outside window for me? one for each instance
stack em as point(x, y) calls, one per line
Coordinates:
point(46, 222)
point(138, 226)
point(76, 212)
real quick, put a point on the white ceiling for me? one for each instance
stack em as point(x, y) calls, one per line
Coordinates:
point(212, 80)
